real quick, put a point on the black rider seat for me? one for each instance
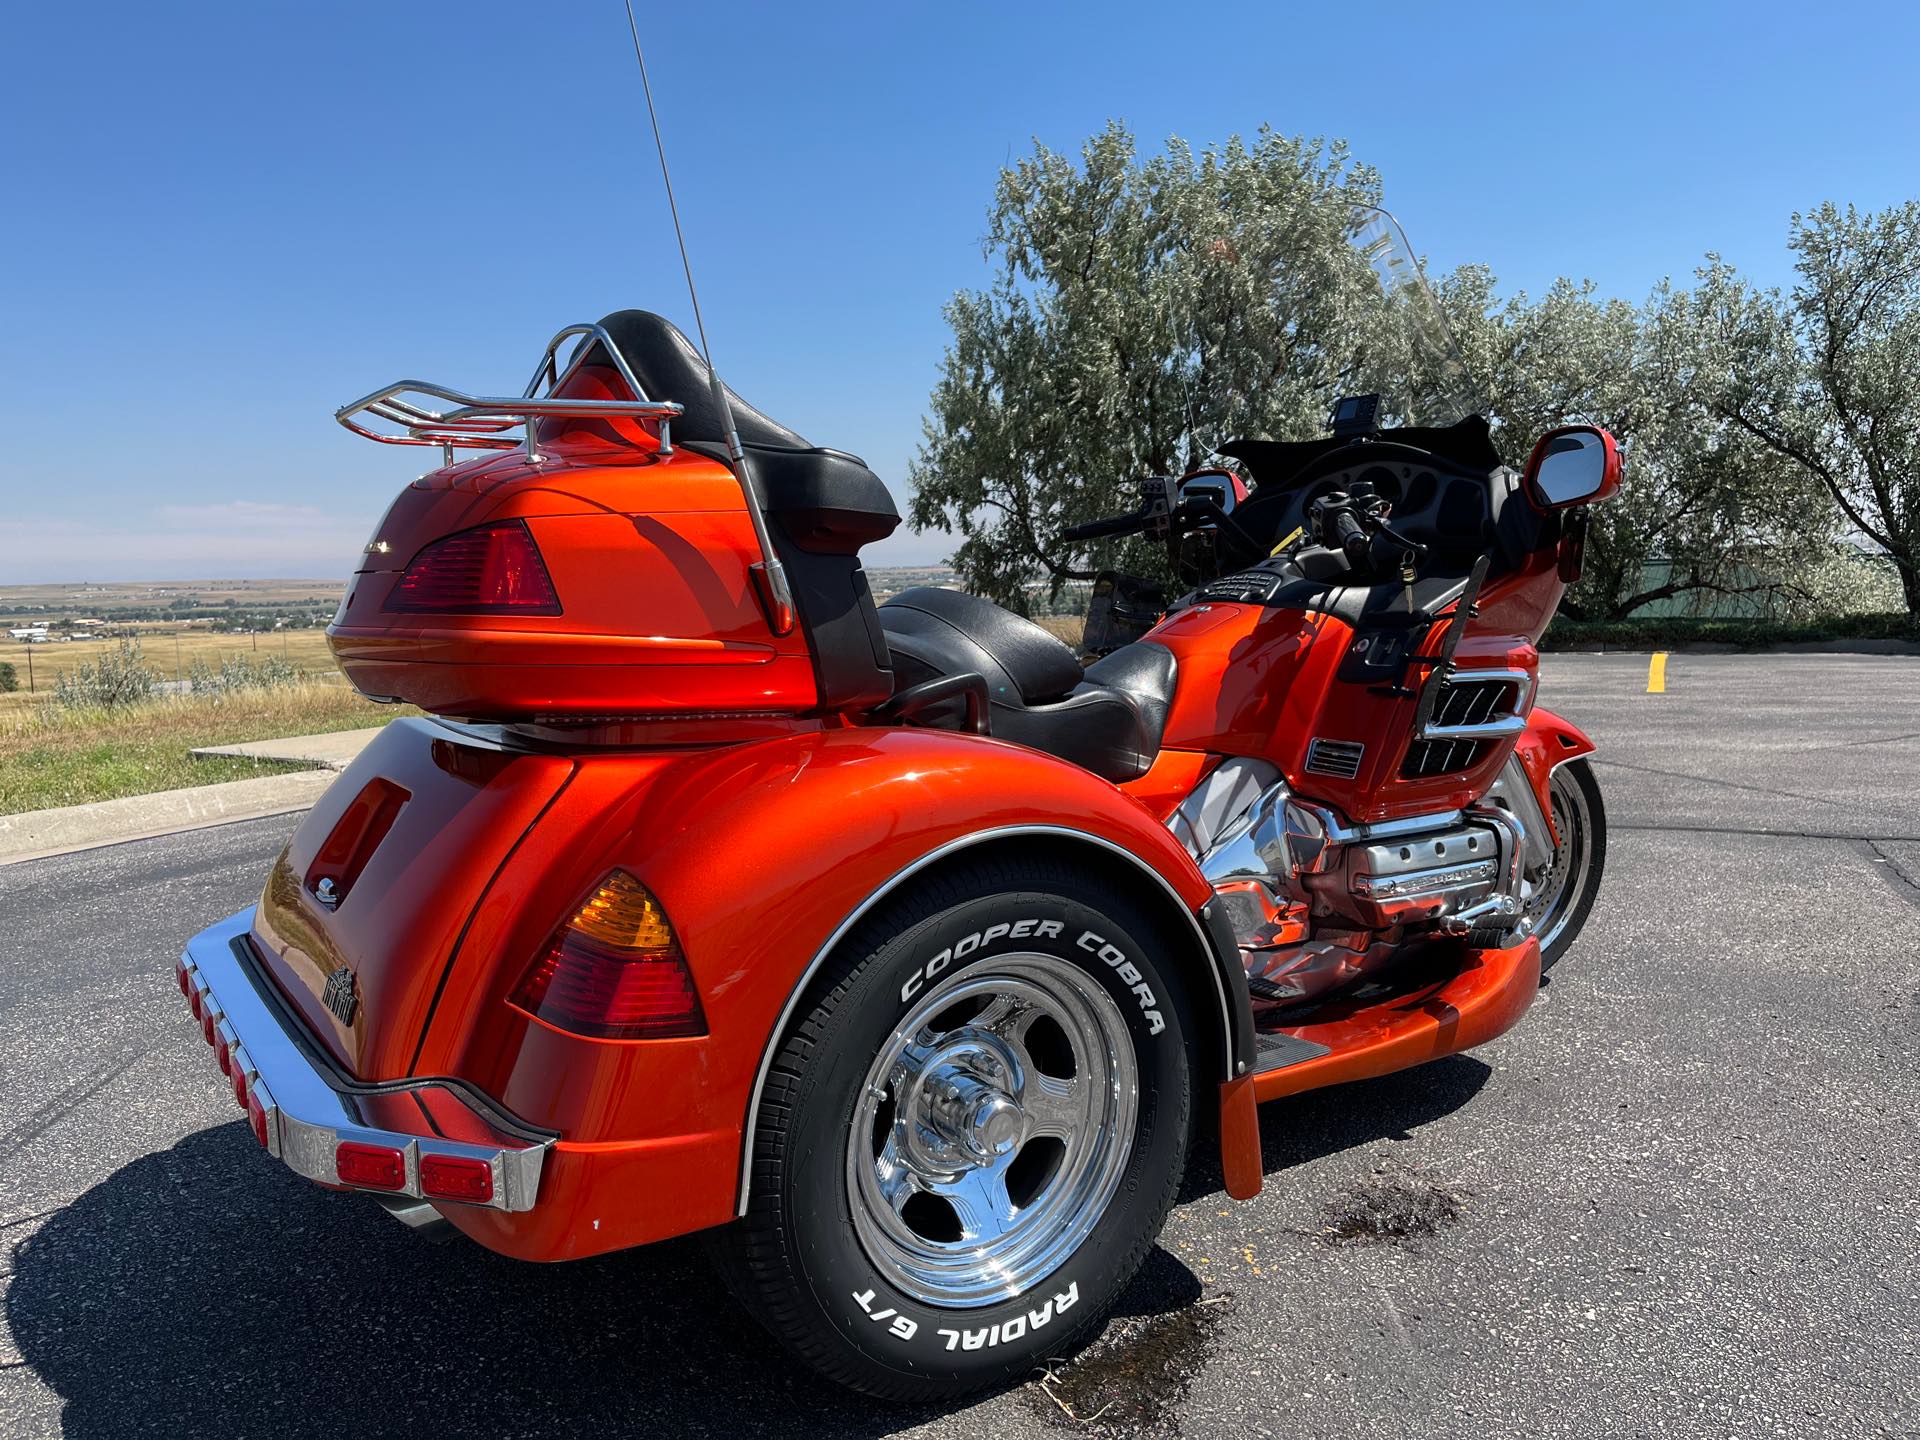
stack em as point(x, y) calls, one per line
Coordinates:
point(1108, 718)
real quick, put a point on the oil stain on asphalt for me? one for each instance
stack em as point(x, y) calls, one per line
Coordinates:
point(1392, 1206)
point(1134, 1377)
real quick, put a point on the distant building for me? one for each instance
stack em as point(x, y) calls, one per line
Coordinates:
point(31, 635)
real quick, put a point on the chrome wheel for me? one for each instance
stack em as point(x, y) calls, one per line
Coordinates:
point(993, 1130)
point(1553, 899)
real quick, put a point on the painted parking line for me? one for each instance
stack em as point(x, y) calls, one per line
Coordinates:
point(1657, 673)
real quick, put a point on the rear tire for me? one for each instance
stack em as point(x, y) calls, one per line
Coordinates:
point(971, 1137)
point(1560, 905)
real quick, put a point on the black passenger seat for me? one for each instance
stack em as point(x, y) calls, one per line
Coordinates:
point(1108, 718)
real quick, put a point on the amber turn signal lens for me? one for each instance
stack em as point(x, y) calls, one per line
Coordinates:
point(622, 914)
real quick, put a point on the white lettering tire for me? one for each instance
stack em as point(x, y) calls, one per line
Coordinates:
point(971, 1136)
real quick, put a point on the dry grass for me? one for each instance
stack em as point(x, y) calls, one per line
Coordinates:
point(50, 756)
point(169, 650)
point(1068, 627)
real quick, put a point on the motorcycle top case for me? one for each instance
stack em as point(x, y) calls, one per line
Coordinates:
point(606, 584)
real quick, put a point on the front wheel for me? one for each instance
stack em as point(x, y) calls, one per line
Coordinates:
point(1560, 900)
point(969, 1142)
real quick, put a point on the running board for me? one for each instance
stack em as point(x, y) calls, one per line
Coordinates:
point(1489, 991)
point(1277, 1049)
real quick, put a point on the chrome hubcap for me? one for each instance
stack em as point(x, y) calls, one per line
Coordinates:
point(993, 1130)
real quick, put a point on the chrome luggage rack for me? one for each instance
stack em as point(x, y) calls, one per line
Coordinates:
point(482, 423)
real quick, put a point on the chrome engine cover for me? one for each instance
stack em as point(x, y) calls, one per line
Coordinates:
point(1421, 877)
point(1309, 891)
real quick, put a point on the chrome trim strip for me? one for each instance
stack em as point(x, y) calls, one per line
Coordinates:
point(308, 1114)
point(932, 857)
point(1503, 728)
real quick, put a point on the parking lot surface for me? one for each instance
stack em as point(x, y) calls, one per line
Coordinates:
point(1679, 1199)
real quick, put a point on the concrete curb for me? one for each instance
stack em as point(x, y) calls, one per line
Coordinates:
point(333, 751)
point(40, 833)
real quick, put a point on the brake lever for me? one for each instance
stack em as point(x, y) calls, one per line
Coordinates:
point(1413, 546)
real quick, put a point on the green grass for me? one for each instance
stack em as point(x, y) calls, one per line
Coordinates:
point(51, 757)
point(1566, 633)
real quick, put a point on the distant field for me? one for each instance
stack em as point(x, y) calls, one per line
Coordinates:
point(50, 756)
point(170, 650)
point(46, 601)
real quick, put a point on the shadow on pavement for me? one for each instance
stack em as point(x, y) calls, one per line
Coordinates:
point(205, 1290)
point(1325, 1122)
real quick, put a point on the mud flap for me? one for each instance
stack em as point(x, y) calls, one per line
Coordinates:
point(1240, 1162)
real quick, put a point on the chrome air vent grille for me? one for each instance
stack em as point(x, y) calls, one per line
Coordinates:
point(1338, 758)
point(1440, 757)
point(1462, 703)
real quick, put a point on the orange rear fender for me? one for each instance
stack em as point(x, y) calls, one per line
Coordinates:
point(763, 856)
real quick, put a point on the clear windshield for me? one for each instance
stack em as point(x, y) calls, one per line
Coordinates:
point(1436, 387)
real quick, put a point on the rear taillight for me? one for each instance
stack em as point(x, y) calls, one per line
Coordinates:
point(489, 570)
point(372, 1167)
point(615, 970)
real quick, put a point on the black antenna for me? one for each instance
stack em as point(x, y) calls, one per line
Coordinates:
point(769, 571)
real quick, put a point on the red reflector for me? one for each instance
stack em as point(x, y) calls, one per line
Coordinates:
point(206, 1023)
point(374, 1167)
point(193, 1003)
point(456, 1177)
point(223, 1055)
point(487, 570)
point(180, 975)
point(257, 1118)
point(240, 1090)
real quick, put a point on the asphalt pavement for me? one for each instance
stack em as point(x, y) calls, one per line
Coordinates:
point(1679, 1199)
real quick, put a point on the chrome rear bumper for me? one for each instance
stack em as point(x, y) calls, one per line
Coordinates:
point(303, 1108)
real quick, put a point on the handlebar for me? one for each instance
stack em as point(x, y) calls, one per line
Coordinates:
point(1101, 529)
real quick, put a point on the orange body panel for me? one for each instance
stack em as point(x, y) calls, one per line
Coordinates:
point(1486, 998)
point(650, 561)
point(758, 853)
point(1263, 682)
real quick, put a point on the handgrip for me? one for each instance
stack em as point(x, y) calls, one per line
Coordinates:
point(1352, 537)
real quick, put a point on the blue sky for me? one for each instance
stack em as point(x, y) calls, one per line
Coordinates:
point(220, 221)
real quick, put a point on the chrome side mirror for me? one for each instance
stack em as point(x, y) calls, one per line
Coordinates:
point(1574, 465)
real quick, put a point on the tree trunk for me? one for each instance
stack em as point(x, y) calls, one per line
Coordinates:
point(1909, 584)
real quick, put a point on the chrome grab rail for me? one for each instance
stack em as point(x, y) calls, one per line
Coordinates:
point(481, 422)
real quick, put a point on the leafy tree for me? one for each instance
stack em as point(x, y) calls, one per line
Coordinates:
point(1828, 379)
point(1141, 312)
point(1721, 512)
point(9, 678)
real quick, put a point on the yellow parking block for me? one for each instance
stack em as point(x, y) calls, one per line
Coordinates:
point(1657, 673)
